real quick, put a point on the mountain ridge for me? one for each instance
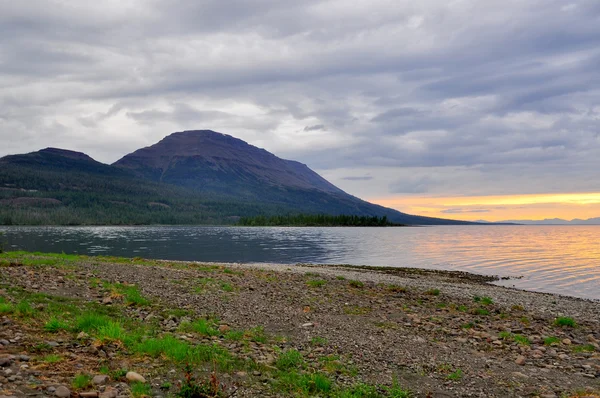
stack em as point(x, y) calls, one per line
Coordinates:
point(195, 176)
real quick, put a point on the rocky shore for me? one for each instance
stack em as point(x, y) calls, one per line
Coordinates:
point(113, 327)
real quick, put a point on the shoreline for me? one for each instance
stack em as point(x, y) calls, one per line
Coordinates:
point(421, 333)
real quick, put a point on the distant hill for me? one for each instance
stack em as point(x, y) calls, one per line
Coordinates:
point(190, 177)
point(557, 221)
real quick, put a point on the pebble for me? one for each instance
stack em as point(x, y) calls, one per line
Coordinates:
point(100, 379)
point(133, 376)
point(62, 392)
point(520, 360)
point(308, 325)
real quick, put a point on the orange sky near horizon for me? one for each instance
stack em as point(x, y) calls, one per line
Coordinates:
point(500, 207)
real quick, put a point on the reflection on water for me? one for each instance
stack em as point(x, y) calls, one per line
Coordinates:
point(557, 259)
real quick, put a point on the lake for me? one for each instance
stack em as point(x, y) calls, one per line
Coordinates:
point(553, 259)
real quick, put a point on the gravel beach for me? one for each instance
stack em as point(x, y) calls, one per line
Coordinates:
point(434, 333)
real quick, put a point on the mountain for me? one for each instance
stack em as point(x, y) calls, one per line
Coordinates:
point(557, 221)
point(190, 177)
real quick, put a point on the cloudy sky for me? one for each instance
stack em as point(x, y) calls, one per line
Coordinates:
point(467, 109)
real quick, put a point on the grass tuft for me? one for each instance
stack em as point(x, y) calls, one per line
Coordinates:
point(565, 321)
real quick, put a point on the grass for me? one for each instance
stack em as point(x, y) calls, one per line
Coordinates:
point(227, 287)
point(433, 292)
point(234, 335)
point(290, 359)
point(456, 375)
point(81, 381)
point(396, 289)
point(140, 390)
point(52, 358)
point(55, 325)
point(356, 284)
point(565, 321)
point(551, 340)
point(584, 348)
point(6, 308)
point(483, 300)
point(316, 283)
point(356, 310)
point(340, 278)
point(25, 310)
point(481, 311)
point(517, 338)
point(318, 341)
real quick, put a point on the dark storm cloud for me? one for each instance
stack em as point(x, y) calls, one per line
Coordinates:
point(506, 90)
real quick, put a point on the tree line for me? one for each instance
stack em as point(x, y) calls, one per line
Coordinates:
point(316, 220)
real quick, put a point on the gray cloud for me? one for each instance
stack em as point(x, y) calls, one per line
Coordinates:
point(357, 178)
point(440, 97)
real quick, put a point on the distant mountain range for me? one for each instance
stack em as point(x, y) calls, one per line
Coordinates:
point(190, 177)
point(555, 221)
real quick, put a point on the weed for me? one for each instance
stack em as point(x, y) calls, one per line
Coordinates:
point(520, 339)
point(316, 282)
point(311, 274)
point(469, 325)
point(463, 308)
point(356, 284)
point(104, 370)
point(433, 292)
point(257, 334)
point(456, 375)
point(524, 320)
point(191, 388)
point(517, 307)
point(232, 272)
point(340, 278)
point(165, 386)
point(565, 321)
point(81, 381)
point(396, 391)
point(481, 311)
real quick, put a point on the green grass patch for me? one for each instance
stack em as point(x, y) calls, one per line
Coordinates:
point(290, 359)
point(227, 287)
point(356, 284)
point(551, 340)
point(25, 310)
point(356, 310)
point(140, 390)
point(584, 348)
point(433, 292)
point(52, 358)
point(318, 341)
point(81, 381)
point(565, 321)
point(55, 325)
point(316, 282)
point(456, 375)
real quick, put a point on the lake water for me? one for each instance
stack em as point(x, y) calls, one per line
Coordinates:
point(554, 259)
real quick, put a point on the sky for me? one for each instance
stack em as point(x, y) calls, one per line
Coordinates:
point(462, 109)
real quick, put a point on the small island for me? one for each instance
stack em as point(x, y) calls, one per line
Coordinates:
point(317, 220)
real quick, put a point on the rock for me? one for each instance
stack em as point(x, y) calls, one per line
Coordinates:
point(90, 394)
point(100, 379)
point(520, 360)
point(308, 325)
point(133, 376)
point(566, 342)
point(110, 392)
point(107, 300)
point(24, 358)
point(62, 392)
point(4, 342)
point(5, 361)
point(82, 335)
point(224, 329)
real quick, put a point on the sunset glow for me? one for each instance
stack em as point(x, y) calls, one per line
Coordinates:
point(501, 207)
